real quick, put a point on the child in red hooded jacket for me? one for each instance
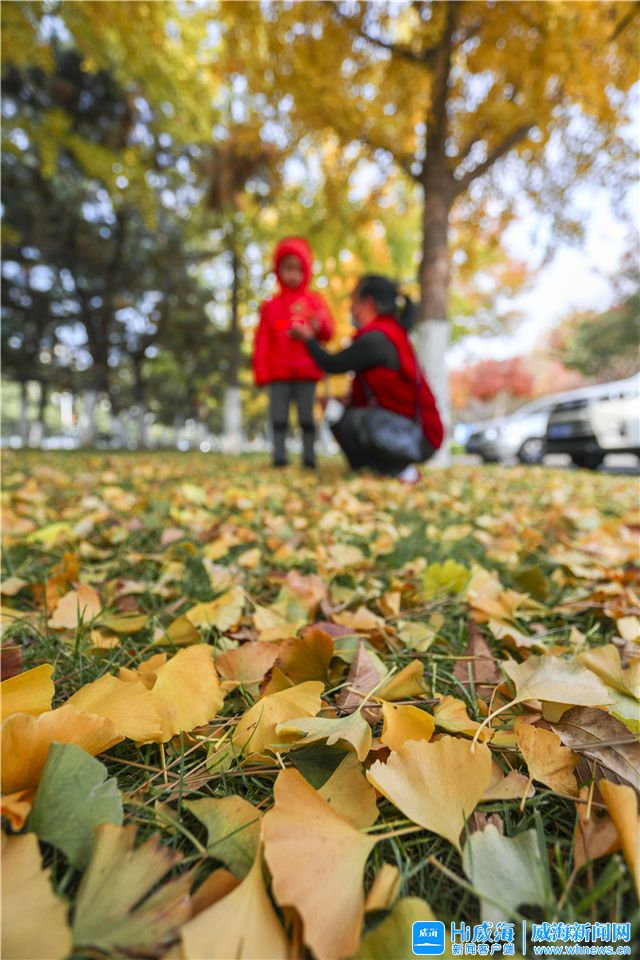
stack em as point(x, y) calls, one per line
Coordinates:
point(282, 363)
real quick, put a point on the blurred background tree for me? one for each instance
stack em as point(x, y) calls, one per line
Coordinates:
point(153, 153)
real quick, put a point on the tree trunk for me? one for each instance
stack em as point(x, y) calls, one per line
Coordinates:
point(87, 425)
point(232, 412)
point(37, 431)
point(433, 332)
point(232, 420)
point(137, 360)
point(23, 428)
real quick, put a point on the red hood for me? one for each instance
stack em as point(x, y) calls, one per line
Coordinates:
point(298, 247)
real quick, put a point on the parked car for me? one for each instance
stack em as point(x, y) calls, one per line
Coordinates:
point(521, 434)
point(594, 421)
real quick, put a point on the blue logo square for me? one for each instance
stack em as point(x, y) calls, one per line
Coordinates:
point(428, 938)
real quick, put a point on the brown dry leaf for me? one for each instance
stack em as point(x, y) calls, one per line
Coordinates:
point(305, 658)
point(547, 760)
point(10, 661)
point(256, 729)
point(317, 863)
point(76, 607)
point(450, 714)
point(384, 889)
point(603, 739)
point(365, 673)
point(34, 919)
point(26, 741)
point(437, 785)
point(242, 925)
point(593, 837)
point(622, 804)
point(247, 665)
point(402, 723)
point(349, 794)
point(29, 692)
point(481, 667)
point(130, 706)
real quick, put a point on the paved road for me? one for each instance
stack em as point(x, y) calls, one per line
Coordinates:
point(615, 463)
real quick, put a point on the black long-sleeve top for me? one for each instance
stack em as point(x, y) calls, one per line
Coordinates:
point(370, 350)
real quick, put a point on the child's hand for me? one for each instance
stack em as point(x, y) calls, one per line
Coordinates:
point(301, 330)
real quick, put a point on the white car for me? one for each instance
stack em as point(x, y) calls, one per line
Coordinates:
point(597, 420)
point(520, 435)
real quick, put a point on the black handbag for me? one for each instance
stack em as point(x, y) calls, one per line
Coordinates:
point(390, 436)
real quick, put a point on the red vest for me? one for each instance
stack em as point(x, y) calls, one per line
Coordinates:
point(396, 389)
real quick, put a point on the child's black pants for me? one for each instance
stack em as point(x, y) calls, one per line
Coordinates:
point(282, 394)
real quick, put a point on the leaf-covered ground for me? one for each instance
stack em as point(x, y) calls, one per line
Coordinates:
point(252, 713)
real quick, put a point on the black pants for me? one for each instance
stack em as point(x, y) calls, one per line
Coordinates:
point(283, 393)
point(346, 433)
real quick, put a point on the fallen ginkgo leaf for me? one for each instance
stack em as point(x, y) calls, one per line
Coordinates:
point(317, 863)
point(34, 919)
point(28, 692)
point(26, 741)
point(242, 925)
point(437, 785)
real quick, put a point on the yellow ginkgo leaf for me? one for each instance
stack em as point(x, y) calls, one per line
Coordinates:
point(34, 919)
point(384, 889)
point(450, 714)
point(187, 691)
point(26, 741)
point(271, 626)
point(622, 804)
point(76, 607)
point(437, 785)
point(548, 761)
point(256, 729)
point(353, 729)
point(402, 723)
point(551, 679)
point(405, 684)
point(130, 706)
point(317, 863)
point(349, 794)
point(605, 662)
point(514, 786)
point(220, 613)
point(242, 925)
point(29, 692)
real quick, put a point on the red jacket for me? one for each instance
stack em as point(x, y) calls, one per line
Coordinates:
point(275, 355)
point(396, 389)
